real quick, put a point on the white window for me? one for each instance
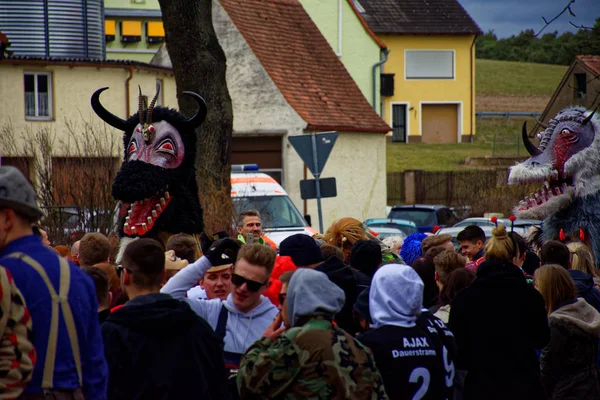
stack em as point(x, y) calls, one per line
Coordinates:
point(429, 64)
point(38, 95)
point(159, 90)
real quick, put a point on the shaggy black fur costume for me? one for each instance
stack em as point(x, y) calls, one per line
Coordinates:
point(138, 180)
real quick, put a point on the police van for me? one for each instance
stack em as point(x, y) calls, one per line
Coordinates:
point(280, 218)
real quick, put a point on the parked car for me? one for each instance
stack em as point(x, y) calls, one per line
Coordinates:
point(487, 229)
point(523, 224)
point(425, 216)
point(407, 227)
point(385, 232)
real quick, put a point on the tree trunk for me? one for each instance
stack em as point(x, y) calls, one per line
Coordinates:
point(199, 64)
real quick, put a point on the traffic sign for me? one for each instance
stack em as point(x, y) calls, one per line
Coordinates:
point(304, 147)
point(308, 188)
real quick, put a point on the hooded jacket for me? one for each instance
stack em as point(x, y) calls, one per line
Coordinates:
point(586, 288)
point(352, 282)
point(242, 328)
point(406, 352)
point(313, 359)
point(499, 322)
point(569, 362)
point(158, 348)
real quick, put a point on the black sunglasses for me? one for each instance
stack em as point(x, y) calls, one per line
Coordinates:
point(253, 286)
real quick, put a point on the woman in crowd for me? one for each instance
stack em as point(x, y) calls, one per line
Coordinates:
point(582, 260)
point(426, 270)
point(499, 321)
point(458, 280)
point(569, 362)
point(445, 263)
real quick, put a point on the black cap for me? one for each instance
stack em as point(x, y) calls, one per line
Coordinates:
point(302, 249)
point(362, 305)
point(365, 256)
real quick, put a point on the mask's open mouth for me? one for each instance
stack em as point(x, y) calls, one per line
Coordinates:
point(553, 188)
point(142, 215)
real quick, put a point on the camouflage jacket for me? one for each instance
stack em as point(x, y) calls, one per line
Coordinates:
point(313, 361)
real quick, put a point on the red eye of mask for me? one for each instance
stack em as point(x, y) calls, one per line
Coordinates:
point(166, 146)
point(132, 147)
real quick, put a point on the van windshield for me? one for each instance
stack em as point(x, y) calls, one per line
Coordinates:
point(275, 211)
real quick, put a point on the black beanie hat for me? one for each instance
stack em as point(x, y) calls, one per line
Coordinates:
point(365, 256)
point(362, 305)
point(302, 248)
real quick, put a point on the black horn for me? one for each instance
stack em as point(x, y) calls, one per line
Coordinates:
point(197, 119)
point(104, 114)
point(589, 117)
point(530, 147)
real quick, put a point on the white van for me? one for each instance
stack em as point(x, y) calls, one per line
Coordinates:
point(279, 216)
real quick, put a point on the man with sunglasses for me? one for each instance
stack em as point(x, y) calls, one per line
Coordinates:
point(246, 314)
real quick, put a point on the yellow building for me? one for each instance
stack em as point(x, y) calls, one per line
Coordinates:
point(428, 84)
point(45, 107)
point(133, 29)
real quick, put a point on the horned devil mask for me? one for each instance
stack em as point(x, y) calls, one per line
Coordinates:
point(156, 185)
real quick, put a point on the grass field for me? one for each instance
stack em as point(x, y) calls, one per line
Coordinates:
point(501, 86)
point(517, 78)
point(495, 137)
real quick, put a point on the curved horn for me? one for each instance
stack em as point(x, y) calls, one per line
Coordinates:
point(141, 105)
point(541, 124)
point(151, 108)
point(104, 114)
point(589, 117)
point(531, 149)
point(197, 119)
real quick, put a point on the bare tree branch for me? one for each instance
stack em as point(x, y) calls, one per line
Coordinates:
point(548, 22)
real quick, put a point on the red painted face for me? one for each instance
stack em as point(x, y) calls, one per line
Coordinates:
point(165, 148)
point(563, 149)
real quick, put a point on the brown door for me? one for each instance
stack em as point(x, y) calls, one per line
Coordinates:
point(439, 123)
point(262, 150)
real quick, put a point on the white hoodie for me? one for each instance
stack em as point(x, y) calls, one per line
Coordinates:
point(396, 296)
point(243, 329)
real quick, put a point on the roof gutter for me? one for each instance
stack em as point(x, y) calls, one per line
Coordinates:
point(385, 53)
point(472, 89)
point(127, 80)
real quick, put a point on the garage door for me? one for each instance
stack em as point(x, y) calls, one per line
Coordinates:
point(262, 150)
point(439, 123)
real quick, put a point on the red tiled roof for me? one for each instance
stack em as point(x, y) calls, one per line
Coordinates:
point(591, 62)
point(303, 66)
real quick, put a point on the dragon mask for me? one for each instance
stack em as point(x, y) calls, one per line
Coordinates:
point(567, 166)
point(156, 185)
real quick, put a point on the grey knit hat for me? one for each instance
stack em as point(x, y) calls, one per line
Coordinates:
point(17, 193)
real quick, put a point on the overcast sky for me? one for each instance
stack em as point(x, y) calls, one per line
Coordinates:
point(509, 17)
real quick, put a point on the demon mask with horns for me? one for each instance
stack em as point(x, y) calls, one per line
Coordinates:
point(567, 165)
point(156, 185)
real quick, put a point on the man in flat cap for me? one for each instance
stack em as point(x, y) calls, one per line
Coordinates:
point(54, 290)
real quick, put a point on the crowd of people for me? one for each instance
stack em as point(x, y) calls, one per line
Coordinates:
point(340, 315)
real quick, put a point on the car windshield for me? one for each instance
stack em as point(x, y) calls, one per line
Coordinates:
point(407, 229)
point(275, 211)
point(475, 222)
point(420, 217)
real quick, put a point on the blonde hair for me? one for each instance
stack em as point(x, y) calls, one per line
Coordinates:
point(343, 233)
point(258, 254)
point(501, 246)
point(555, 285)
point(446, 262)
point(582, 258)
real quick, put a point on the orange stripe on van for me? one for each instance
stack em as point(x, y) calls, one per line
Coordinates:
point(253, 180)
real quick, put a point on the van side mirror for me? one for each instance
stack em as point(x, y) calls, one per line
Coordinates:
point(308, 219)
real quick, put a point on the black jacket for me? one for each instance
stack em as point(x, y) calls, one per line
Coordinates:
point(158, 348)
point(498, 323)
point(352, 282)
point(585, 287)
point(569, 362)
